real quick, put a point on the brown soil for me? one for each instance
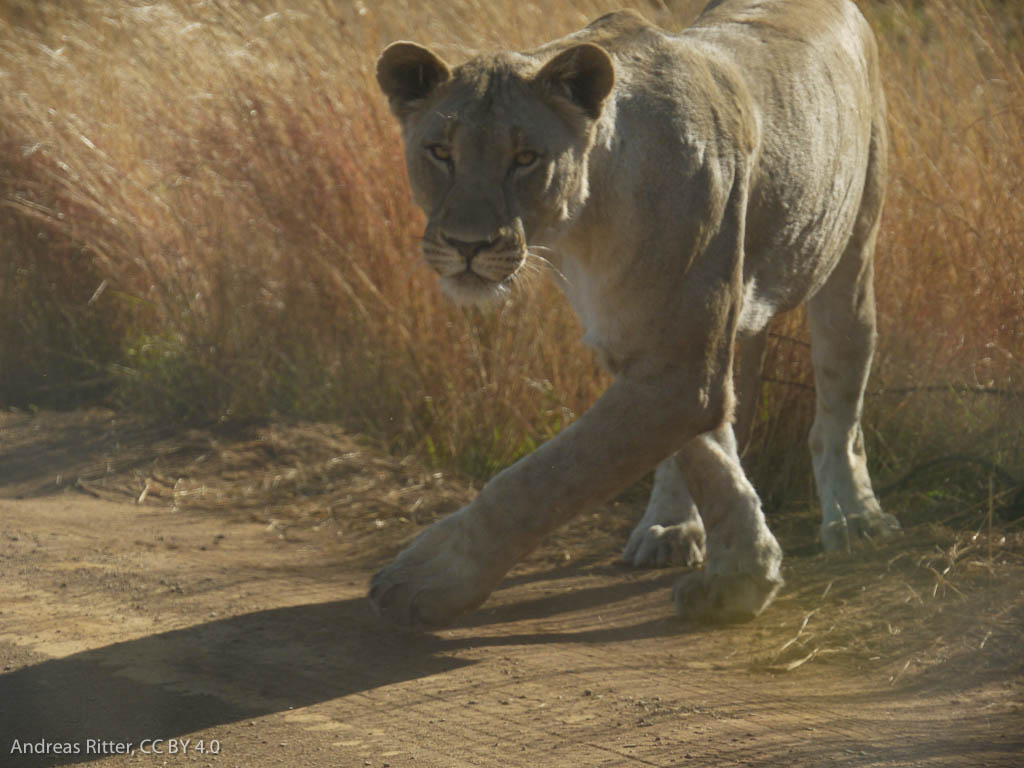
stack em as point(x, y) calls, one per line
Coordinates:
point(210, 586)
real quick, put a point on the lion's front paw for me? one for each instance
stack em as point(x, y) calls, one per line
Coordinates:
point(443, 573)
point(657, 546)
point(723, 597)
point(870, 524)
point(742, 578)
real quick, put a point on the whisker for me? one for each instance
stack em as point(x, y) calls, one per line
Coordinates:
point(519, 282)
point(537, 257)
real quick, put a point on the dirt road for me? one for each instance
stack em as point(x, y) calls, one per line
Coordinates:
point(198, 636)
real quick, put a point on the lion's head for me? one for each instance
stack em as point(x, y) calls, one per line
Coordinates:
point(496, 151)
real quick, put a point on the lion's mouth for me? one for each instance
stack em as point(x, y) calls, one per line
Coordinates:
point(472, 277)
point(470, 287)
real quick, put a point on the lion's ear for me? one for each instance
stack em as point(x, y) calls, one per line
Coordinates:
point(584, 74)
point(407, 73)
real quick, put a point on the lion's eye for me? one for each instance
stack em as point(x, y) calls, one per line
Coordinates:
point(441, 152)
point(526, 158)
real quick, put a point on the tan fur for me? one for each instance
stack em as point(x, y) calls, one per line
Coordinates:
point(689, 188)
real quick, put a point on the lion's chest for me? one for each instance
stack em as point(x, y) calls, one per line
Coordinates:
point(606, 314)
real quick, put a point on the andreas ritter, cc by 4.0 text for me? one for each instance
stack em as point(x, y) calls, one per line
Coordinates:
point(107, 747)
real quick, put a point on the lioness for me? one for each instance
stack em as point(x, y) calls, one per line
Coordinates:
point(691, 186)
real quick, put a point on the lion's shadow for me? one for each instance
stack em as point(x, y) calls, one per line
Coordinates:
point(243, 667)
point(220, 671)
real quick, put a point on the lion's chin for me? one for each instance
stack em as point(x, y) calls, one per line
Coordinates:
point(469, 288)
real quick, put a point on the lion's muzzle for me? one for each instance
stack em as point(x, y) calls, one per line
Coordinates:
point(475, 270)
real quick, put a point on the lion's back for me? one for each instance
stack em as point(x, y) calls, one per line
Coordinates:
point(811, 67)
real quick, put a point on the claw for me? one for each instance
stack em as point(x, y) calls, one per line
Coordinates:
point(658, 546)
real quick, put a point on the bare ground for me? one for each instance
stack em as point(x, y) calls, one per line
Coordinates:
point(210, 585)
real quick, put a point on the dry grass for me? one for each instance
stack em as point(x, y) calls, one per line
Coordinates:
point(940, 606)
point(204, 216)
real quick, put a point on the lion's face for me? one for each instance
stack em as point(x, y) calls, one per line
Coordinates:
point(496, 154)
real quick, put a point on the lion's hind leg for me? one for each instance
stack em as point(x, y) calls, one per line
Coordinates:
point(671, 531)
point(743, 570)
point(842, 321)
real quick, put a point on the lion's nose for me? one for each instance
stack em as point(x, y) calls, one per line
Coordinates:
point(466, 249)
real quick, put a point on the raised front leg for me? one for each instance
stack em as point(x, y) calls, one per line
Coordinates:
point(455, 563)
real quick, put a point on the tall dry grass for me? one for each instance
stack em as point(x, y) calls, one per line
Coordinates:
point(204, 215)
